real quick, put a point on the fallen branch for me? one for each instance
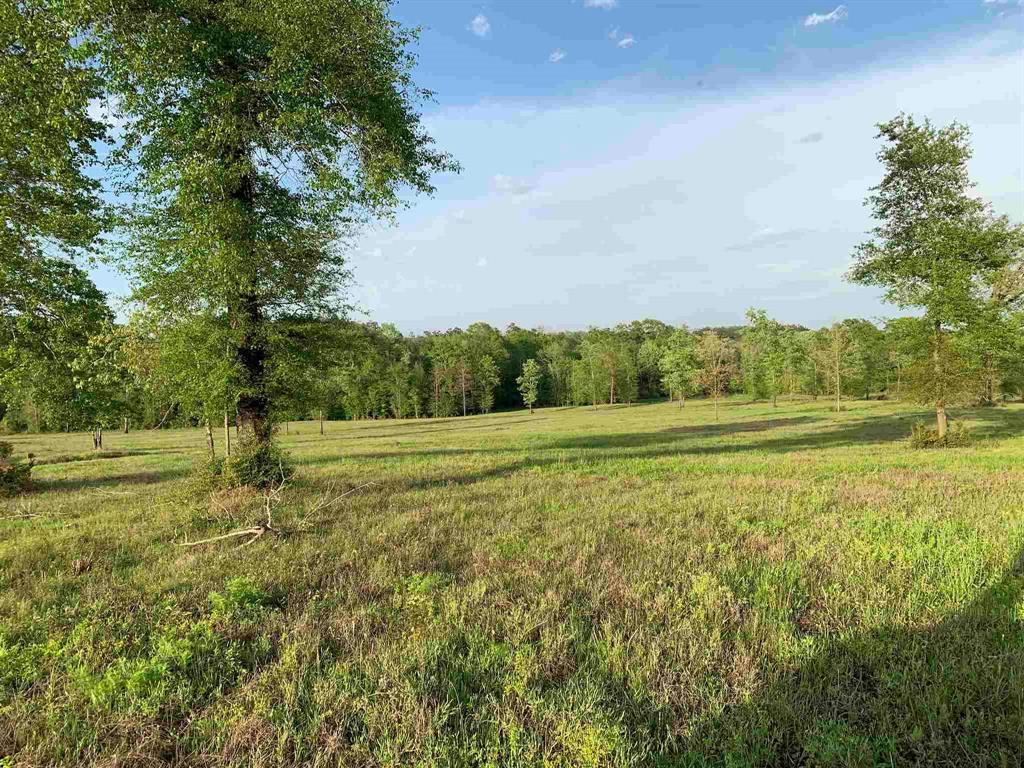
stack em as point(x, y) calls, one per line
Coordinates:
point(326, 505)
point(272, 495)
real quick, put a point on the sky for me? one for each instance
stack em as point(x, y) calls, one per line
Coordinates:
point(679, 160)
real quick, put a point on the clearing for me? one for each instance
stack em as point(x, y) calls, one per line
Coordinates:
point(580, 587)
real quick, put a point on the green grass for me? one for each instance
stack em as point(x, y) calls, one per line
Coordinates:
point(621, 586)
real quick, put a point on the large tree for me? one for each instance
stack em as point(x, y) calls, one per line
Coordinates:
point(49, 210)
point(255, 136)
point(936, 246)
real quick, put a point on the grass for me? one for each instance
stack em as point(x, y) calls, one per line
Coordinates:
point(621, 586)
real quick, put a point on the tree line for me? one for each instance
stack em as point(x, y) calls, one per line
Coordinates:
point(137, 375)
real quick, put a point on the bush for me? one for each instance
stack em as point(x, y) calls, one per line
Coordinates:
point(15, 475)
point(923, 436)
point(252, 464)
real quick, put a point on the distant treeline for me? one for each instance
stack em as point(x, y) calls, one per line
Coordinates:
point(145, 376)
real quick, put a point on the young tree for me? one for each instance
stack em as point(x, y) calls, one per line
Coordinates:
point(679, 365)
point(717, 358)
point(558, 362)
point(529, 382)
point(764, 358)
point(832, 350)
point(486, 377)
point(935, 246)
point(250, 147)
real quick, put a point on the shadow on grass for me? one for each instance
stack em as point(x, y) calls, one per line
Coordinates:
point(948, 695)
point(129, 479)
point(689, 441)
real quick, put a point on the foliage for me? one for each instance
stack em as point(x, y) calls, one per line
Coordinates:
point(15, 474)
point(936, 246)
point(679, 364)
point(923, 436)
point(529, 382)
point(764, 349)
point(717, 356)
point(250, 149)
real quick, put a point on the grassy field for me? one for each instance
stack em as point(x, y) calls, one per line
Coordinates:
point(580, 587)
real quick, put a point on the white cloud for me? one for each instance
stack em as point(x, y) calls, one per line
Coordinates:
point(837, 14)
point(481, 262)
point(556, 56)
point(507, 184)
point(605, 4)
point(626, 41)
point(480, 26)
point(613, 33)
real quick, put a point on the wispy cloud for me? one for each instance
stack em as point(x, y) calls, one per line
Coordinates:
point(837, 14)
point(811, 138)
point(626, 42)
point(511, 185)
point(784, 267)
point(604, 4)
point(481, 262)
point(613, 33)
point(479, 26)
point(556, 56)
point(767, 238)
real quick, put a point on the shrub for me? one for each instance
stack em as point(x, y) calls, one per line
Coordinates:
point(15, 475)
point(252, 464)
point(923, 436)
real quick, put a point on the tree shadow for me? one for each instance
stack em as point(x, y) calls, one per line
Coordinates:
point(81, 484)
point(951, 694)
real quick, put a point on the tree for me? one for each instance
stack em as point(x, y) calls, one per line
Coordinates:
point(717, 358)
point(529, 382)
point(679, 365)
point(485, 378)
point(832, 350)
point(906, 338)
point(764, 347)
point(935, 246)
point(49, 209)
point(558, 360)
point(870, 364)
point(251, 147)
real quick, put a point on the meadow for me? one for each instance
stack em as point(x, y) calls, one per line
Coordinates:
point(613, 586)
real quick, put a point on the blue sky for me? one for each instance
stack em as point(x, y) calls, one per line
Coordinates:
point(625, 159)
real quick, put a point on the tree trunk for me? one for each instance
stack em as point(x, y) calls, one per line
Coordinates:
point(126, 425)
point(775, 400)
point(716, 406)
point(97, 440)
point(940, 403)
point(321, 414)
point(227, 434)
point(463, 383)
point(531, 407)
point(209, 440)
